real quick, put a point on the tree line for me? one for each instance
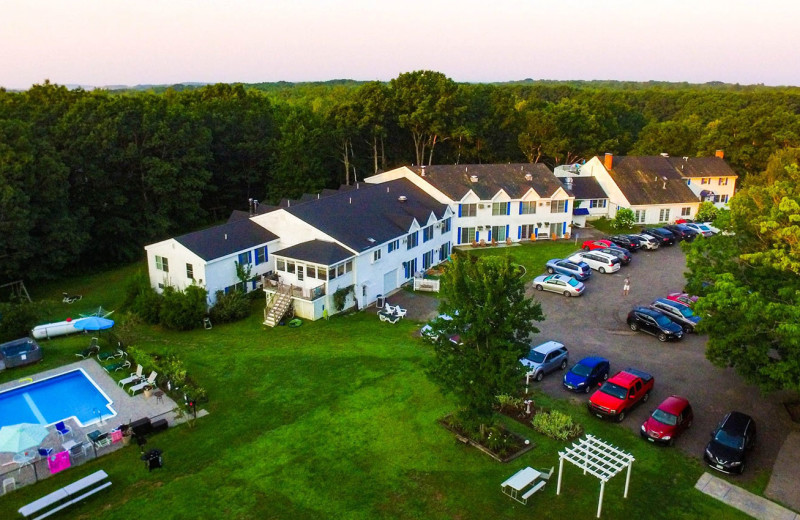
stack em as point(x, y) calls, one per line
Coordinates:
point(89, 177)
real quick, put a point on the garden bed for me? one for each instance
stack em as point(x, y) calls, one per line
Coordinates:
point(515, 445)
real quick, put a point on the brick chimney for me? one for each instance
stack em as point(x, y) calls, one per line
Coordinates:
point(608, 161)
point(720, 154)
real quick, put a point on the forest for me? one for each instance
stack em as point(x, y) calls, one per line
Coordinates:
point(87, 178)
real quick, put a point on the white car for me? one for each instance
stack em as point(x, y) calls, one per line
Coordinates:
point(647, 242)
point(711, 226)
point(701, 229)
point(600, 262)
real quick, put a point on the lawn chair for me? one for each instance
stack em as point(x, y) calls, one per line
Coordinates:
point(119, 365)
point(151, 381)
point(93, 348)
point(61, 429)
point(45, 452)
point(545, 475)
point(105, 356)
point(388, 316)
point(135, 377)
point(99, 439)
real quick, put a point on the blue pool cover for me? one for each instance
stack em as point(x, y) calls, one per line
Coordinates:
point(69, 395)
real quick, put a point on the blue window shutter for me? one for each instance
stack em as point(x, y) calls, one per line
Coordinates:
point(459, 235)
point(508, 208)
point(536, 232)
point(566, 206)
point(489, 236)
point(477, 236)
point(519, 231)
point(255, 253)
point(266, 253)
point(506, 230)
point(459, 210)
point(565, 228)
point(520, 207)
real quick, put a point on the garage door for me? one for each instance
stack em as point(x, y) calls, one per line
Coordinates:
point(390, 281)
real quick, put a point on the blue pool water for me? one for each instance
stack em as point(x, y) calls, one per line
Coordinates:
point(68, 395)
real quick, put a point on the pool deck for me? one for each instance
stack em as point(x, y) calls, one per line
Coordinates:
point(128, 409)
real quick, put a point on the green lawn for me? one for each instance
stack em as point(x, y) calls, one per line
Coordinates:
point(337, 419)
point(533, 256)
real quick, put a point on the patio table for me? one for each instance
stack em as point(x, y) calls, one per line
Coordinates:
point(519, 481)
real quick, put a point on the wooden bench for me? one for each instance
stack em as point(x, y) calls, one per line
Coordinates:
point(66, 496)
point(533, 490)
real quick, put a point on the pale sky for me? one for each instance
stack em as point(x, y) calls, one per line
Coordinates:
point(113, 42)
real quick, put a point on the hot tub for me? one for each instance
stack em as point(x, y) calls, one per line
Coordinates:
point(23, 351)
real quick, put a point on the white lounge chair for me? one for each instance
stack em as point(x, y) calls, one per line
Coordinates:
point(545, 475)
point(135, 377)
point(151, 381)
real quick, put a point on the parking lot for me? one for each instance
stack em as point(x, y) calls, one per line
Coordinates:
point(594, 324)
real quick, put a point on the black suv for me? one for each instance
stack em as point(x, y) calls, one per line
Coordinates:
point(682, 232)
point(625, 242)
point(734, 436)
point(623, 254)
point(655, 323)
point(664, 236)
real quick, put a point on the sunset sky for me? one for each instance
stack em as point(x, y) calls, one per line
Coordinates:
point(111, 42)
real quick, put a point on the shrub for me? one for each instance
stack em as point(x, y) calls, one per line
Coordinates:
point(233, 306)
point(707, 212)
point(624, 220)
point(147, 305)
point(510, 404)
point(17, 319)
point(183, 310)
point(556, 425)
point(134, 286)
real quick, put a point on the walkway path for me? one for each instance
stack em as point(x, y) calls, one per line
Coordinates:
point(784, 484)
point(734, 496)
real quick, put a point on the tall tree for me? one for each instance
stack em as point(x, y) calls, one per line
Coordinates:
point(486, 299)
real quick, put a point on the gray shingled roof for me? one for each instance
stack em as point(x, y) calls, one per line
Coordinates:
point(585, 188)
point(702, 167)
point(225, 239)
point(454, 180)
point(369, 211)
point(316, 252)
point(650, 180)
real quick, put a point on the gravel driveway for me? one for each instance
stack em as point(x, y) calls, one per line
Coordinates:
point(595, 324)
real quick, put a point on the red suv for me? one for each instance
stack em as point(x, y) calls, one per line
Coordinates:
point(669, 420)
point(590, 245)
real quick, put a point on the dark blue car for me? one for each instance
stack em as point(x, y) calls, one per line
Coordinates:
point(577, 270)
point(586, 374)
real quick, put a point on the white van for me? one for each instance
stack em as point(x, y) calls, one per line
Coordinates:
point(600, 262)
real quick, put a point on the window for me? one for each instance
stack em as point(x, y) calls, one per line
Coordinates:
point(500, 208)
point(638, 216)
point(558, 206)
point(245, 258)
point(663, 215)
point(412, 239)
point(280, 264)
point(444, 251)
point(467, 210)
point(686, 212)
point(340, 270)
point(498, 233)
point(598, 203)
point(705, 181)
point(261, 255)
point(162, 264)
point(427, 233)
point(527, 208)
point(721, 198)
point(467, 235)
point(348, 266)
point(427, 259)
point(189, 272)
point(394, 245)
point(376, 255)
point(723, 181)
point(311, 271)
point(446, 225)
point(331, 273)
point(527, 231)
point(290, 267)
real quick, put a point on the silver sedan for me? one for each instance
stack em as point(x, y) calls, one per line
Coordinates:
point(559, 283)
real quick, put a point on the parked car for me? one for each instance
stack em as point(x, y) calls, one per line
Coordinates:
point(600, 262)
point(667, 422)
point(623, 255)
point(617, 396)
point(647, 241)
point(578, 270)
point(682, 232)
point(559, 283)
point(712, 227)
point(655, 323)
point(700, 229)
point(442, 322)
point(682, 298)
point(590, 245)
point(545, 358)
point(678, 313)
point(730, 442)
point(625, 242)
point(664, 235)
point(586, 374)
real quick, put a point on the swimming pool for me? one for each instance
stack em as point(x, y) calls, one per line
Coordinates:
point(71, 395)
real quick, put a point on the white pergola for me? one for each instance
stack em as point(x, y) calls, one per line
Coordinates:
point(598, 458)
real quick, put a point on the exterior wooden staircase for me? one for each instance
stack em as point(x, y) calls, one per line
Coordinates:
point(278, 306)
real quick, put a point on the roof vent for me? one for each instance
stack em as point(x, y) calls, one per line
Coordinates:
point(685, 158)
point(528, 177)
point(402, 198)
point(423, 171)
point(371, 240)
point(473, 178)
point(226, 236)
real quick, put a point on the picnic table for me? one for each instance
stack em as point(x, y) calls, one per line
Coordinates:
point(519, 481)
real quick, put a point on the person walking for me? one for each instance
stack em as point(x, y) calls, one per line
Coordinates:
point(626, 287)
